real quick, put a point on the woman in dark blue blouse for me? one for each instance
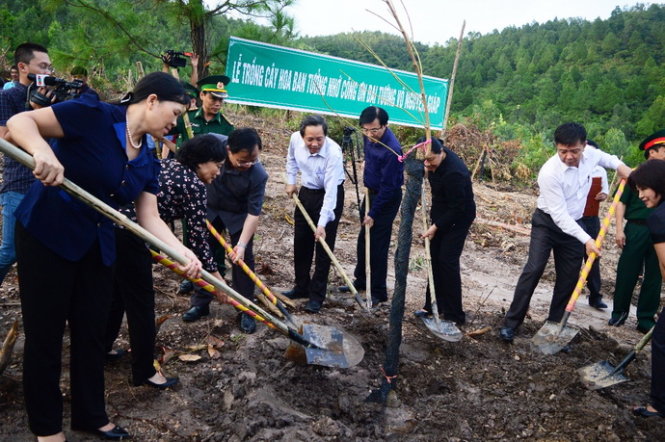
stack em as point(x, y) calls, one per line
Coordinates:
point(182, 195)
point(66, 250)
point(649, 180)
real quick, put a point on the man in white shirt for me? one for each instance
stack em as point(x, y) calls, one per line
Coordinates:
point(564, 182)
point(319, 161)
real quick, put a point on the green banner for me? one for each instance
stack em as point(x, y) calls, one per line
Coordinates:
point(274, 76)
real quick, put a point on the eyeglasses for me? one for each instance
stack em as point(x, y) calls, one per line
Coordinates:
point(373, 130)
point(246, 163)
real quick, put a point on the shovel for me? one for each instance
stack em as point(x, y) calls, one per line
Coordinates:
point(334, 260)
point(368, 263)
point(552, 337)
point(321, 345)
point(333, 348)
point(603, 374)
point(446, 330)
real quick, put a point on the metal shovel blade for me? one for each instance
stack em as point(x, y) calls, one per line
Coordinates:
point(550, 339)
point(601, 375)
point(446, 330)
point(331, 347)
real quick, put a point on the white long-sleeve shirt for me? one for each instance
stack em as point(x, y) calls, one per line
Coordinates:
point(563, 189)
point(322, 170)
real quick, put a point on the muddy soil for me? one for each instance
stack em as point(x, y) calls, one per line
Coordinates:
point(476, 389)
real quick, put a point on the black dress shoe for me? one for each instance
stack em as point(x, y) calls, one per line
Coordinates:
point(347, 289)
point(597, 303)
point(313, 306)
point(507, 334)
point(170, 382)
point(246, 323)
point(185, 287)
point(376, 301)
point(115, 433)
point(116, 355)
point(292, 294)
point(422, 313)
point(644, 412)
point(195, 313)
point(617, 321)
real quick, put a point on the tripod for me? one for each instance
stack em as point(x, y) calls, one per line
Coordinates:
point(349, 151)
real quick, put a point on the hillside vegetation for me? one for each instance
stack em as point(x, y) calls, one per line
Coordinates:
point(516, 85)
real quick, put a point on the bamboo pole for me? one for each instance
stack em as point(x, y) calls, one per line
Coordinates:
point(368, 265)
point(449, 100)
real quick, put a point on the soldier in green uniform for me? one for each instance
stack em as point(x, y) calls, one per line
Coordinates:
point(637, 251)
point(208, 118)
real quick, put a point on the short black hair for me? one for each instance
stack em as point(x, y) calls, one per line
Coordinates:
point(650, 174)
point(26, 52)
point(313, 120)
point(244, 138)
point(165, 86)
point(436, 145)
point(201, 149)
point(79, 70)
point(369, 114)
point(570, 134)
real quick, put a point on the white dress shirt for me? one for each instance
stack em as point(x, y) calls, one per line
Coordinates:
point(322, 170)
point(563, 189)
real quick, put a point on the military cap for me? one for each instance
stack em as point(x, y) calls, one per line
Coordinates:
point(215, 84)
point(653, 139)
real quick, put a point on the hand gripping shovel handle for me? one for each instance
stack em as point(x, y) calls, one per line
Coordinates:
point(266, 291)
point(334, 260)
point(592, 257)
point(120, 219)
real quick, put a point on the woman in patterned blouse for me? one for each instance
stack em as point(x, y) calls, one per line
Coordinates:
point(182, 195)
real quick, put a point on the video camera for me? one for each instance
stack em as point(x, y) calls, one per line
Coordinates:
point(62, 89)
point(175, 59)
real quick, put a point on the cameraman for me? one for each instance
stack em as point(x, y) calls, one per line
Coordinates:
point(30, 58)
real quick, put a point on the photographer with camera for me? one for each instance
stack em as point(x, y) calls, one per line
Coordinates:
point(30, 59)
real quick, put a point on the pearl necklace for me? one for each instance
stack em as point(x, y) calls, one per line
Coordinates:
point(131, 142)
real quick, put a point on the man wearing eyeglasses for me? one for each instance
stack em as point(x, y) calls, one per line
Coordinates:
point(383, 176)
point(235, 199)
point(564, 182)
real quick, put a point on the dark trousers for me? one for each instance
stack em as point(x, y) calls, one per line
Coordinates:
point(591, 225)
point(445, 251)
point(568, 254)
point(55, 291)
point(658, 365)
point(241, 283)
point(637, 254)
point(304, 244)
point(379, 236)
point(133, 293)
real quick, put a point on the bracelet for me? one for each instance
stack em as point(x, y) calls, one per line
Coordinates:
point(241, 244)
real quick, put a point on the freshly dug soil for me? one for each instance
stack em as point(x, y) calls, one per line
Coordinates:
point(475, 389)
